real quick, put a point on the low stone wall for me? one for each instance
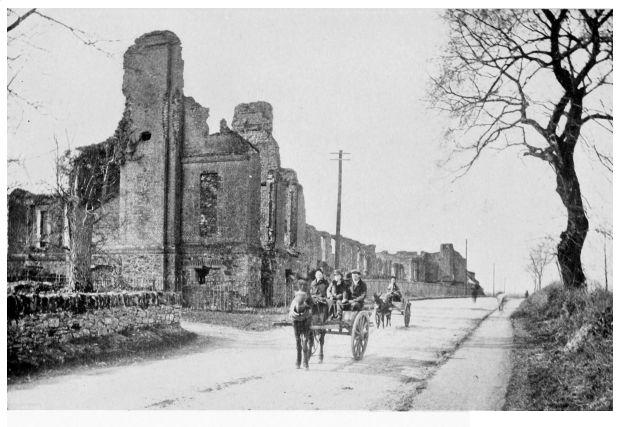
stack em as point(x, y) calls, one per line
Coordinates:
point(44, 319)
point(419, 289)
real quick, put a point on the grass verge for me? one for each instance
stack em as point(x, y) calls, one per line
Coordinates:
point(132, 345)
point(563, 352)
point(247, 321)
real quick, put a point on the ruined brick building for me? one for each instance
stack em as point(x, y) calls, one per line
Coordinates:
point(195, 209)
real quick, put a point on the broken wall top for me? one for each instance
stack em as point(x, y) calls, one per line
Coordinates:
point(253, 116)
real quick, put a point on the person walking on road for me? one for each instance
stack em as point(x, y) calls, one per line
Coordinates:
point(474, 292)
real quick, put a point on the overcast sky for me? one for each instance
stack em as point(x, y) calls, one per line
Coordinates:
point(337, 79)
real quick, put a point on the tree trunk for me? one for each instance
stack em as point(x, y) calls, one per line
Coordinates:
point(81, 227)
point(573, 238)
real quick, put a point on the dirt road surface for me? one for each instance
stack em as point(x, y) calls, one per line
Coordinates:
point(255, 370)
point(481, 366)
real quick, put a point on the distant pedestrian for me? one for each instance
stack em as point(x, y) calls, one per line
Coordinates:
point(527, 294)
point(474, 292)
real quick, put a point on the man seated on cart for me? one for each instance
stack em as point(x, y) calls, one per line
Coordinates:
point(393, 293)
point(335, 292)
point(318, 292)
point(354, 296)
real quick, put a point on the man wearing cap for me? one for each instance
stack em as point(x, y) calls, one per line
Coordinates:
point(353, 298)
point(335, 292)
point(318, 292)
point(393, 292)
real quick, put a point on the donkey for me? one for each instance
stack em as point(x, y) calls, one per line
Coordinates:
point(300, 313)
point(319, 315)
point(383, 310)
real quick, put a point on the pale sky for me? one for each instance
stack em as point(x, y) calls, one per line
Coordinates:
point(337, 79)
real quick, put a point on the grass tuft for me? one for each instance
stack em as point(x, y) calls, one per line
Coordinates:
point(563, 356)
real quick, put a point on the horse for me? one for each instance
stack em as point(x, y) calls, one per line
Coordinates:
point(383, 310)
point(319, 315)
point(301, 314)
point(501, 300)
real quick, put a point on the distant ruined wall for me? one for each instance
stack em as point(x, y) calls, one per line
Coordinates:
point(418, 290)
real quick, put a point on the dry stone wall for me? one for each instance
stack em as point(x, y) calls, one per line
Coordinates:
point(39, 320)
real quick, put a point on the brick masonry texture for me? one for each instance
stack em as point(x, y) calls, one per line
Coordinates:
point(213, 216)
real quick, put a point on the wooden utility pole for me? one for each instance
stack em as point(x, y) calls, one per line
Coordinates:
point(493, 279)
point(604, 233)
point(338, 208)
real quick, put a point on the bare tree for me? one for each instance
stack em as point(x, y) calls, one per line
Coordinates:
point(19, 33)
point(539, 258)
point(531, 79)
point(86, 181)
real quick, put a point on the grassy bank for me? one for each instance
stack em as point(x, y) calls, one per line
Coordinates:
point(563, 353)
point(259, 320)
point(130, 346)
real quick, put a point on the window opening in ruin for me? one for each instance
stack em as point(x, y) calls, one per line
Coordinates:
point(201, 274)
point(43, 228)
point(333, 245)
point(293, 218)
point(210, 183)
point(323, 249)
point(271, 207)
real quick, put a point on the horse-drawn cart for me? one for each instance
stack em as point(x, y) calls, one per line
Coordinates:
point(400, 307)
point(353, 323)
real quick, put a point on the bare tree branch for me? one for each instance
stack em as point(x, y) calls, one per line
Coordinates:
point(19, 20)
point(490, 80)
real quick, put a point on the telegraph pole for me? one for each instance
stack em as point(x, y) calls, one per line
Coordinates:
point(338, 207)
point(493, 279)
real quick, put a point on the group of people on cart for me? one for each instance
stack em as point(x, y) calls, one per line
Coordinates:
point(328, 300)
point(343, 293)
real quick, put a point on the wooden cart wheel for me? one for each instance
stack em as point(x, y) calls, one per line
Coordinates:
point(359, 335)
point(407, 314)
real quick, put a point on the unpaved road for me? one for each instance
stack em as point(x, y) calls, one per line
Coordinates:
point(481, 366)
point(255, 370)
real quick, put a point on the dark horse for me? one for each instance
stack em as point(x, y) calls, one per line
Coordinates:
point(301, 315)
point(383, 310)
point(317, 336)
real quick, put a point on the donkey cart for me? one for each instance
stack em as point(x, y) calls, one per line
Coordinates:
point(404, 308)
point(383, 309)
point(354, 323)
